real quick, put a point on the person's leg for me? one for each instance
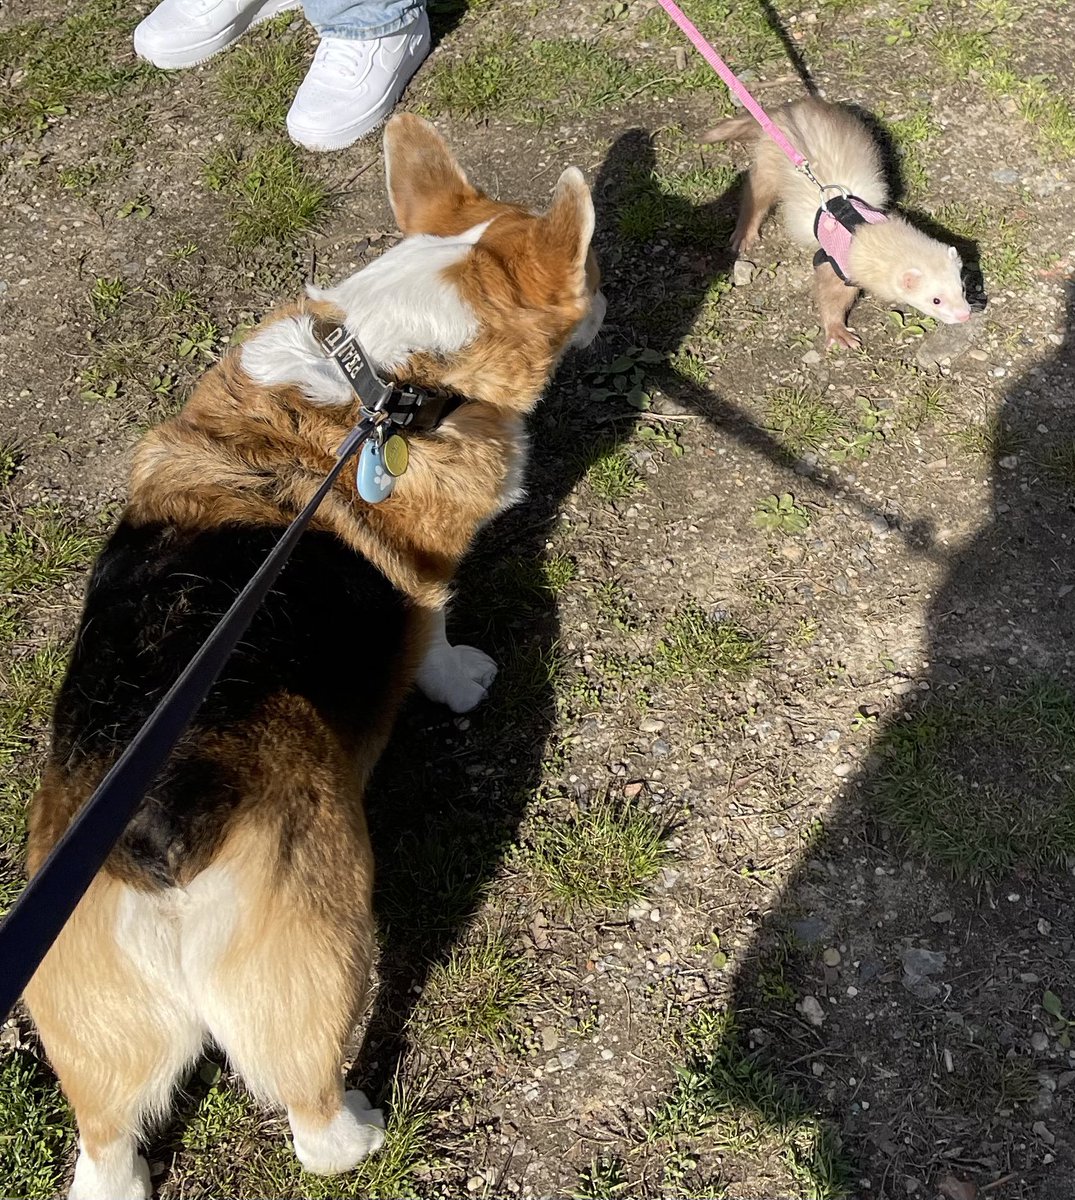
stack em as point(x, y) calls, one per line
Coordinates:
point(184, 33)
point(369, 50)
point(361, 19)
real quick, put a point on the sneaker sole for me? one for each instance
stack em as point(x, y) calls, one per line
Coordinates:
point(348, 137)
point(211, 48)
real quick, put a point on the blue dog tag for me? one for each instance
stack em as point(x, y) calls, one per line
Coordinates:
point(372, 479)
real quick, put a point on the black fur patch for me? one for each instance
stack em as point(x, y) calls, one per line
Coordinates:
point(331, 631)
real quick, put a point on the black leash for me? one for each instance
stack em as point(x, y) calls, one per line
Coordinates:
point(50, 898)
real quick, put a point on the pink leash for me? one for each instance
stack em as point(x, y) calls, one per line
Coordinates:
point(725, 72)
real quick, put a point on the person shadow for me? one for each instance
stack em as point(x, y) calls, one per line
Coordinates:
point(923, 945)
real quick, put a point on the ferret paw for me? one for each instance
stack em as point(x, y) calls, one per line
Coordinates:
point(840, 335)
point(743, 243)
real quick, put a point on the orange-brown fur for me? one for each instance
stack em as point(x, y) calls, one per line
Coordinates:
point(289, 978)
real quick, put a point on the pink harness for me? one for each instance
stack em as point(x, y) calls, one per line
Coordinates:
point(834, 228)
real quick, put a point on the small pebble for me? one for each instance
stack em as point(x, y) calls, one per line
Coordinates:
point(811, 1009)
point(831, 957)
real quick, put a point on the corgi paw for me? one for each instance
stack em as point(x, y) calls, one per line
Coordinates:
point(458, 676)
point(117, 1174)
point(354, 1133)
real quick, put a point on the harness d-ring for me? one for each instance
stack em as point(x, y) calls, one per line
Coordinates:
point(831, 187)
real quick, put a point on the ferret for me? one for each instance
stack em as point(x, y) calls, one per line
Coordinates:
point(887, 256)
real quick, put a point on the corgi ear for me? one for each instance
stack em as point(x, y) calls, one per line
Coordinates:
point(910, 279)
point(426, 186)
point(569, 223)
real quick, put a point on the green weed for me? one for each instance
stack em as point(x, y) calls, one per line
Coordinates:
point(781, 514)
point(612, 475)
point(802, 419)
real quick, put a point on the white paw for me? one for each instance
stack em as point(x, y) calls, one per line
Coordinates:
point(117, 1174)
point(355, 1132)
point(458, 676)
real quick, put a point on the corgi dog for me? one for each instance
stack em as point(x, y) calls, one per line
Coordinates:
point(237, 905)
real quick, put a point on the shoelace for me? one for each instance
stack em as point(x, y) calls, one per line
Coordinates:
point(348, 61)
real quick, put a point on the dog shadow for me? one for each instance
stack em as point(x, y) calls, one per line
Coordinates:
point(447, 802)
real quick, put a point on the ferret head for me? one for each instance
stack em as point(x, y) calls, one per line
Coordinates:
point(900, 264)
point(935, 286)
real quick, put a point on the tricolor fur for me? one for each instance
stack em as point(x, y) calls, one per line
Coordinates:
point(894, 261)
point(237, 905)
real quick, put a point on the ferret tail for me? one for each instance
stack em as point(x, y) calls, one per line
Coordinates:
point(734, 129)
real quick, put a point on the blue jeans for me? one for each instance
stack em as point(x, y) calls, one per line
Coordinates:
point(360, 19)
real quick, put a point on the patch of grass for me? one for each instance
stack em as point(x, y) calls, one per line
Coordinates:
point(86, 55)
point(107, 294)
point(1059, 462)
point(1005, 257)
point(614, 605)
point(230, 1148)
point(11, 459)
point(923, 405)
point(528, 678)
point(38, 549)
point(912, 134)
point(746, 37)
point(612, 476)
point(990, 438)
point(728, 1100)
point(544, 79)
point(603, 1179)
point(476, 995)
point(802, 419)
point(258, 81)
point(677, 203)
point(274, 198)
point(698, 646)
point(30, 682)
point(977, 51)
point(980, 781)
point(36, 1128)
point(602, 858)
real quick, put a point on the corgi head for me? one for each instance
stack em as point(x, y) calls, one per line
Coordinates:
point(480, 298)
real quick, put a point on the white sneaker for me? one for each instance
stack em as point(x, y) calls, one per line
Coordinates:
point(353, 85)
point(183, 33)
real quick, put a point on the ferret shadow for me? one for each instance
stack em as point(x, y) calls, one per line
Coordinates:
point(448, 799)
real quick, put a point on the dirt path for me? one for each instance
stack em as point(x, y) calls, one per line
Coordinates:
point(753, 878)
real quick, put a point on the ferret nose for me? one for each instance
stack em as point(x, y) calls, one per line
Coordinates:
point(963, 316)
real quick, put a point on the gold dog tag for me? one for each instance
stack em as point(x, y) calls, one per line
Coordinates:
point(395, 455)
